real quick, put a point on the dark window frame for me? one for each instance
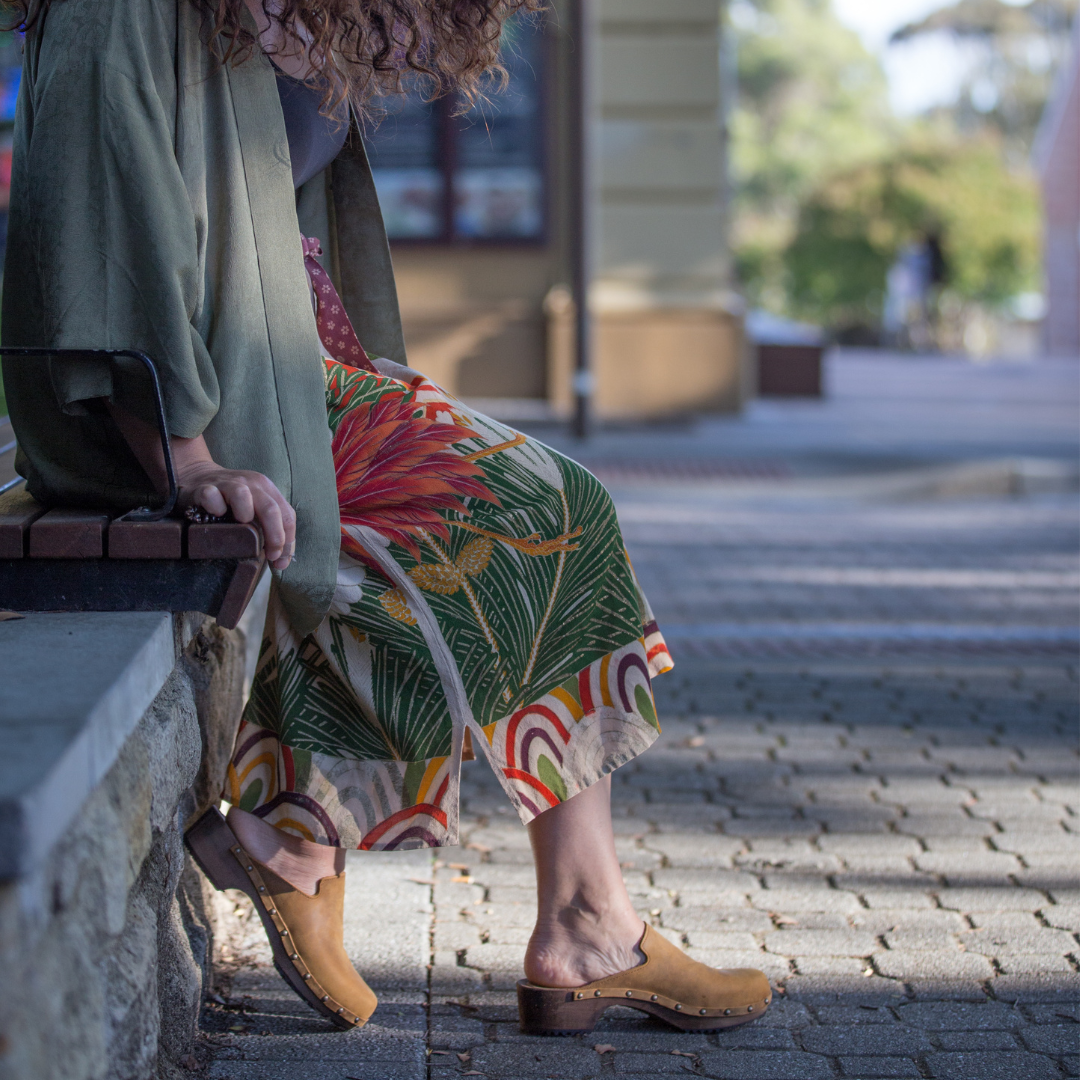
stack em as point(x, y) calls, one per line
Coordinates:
point(448, 129)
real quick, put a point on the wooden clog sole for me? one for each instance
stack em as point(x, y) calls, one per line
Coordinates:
point(545, 1010)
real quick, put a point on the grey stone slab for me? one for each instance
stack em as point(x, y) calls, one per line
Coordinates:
point(716, 880)
point(503, 958)
point(880, 1039)
point(948, 989)
point(850, 1014)
point(992, 898)
point(720, 919)
point(317, 1070)
point(1056, 987)
point(636, 1064)
point(976, 1040)
point(536, 1058)
point(388, 917)
point(756, 1037)
point(820, 943)
point(1052, 1039)
point(847, 989)
point(634, 1033)
point(922, 939)
point(332, 1046)
point(766, 1065)
point(885, 1068)
point(957, 1016)
point(76, 684)
point(1033, 964)
point(995, 1065)
point(795, 901)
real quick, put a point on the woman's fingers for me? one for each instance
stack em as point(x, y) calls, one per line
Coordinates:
point(251, 497)
point(209, 497)
point(287, 517)
point(269, 514)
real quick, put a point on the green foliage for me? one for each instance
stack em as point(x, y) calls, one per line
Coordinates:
point(851, 229)
point(830, 185)
point(1017, 50)
point(811, 101)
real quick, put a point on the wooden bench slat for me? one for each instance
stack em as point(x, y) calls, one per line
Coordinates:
point(146, 539)
point(18, 511)
point(69, 534)
point(248, 572)
point(224, 540)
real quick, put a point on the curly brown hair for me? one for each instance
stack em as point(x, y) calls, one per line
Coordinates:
point(365, 48)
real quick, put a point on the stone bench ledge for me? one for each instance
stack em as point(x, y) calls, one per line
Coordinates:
point(73, 687)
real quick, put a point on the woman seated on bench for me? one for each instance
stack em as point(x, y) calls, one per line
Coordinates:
point(435, 572)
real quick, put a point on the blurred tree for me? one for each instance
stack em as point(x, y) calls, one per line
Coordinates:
point(955, 196)
point(1015, 53)
point(811, 101)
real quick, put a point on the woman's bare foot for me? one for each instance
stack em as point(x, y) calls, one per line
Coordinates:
point(586, 926)
point(299, 862)
point(581, 947)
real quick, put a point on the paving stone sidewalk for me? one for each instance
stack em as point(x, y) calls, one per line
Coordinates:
point(867, 786)
point(893, 838)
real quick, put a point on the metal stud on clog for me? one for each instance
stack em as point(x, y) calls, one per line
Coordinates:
point(654, 998)
point(702, 1012)
point(678, 1008)
point(629, 993)
point(596, 993)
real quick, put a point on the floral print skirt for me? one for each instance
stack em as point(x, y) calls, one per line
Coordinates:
point(483, 595)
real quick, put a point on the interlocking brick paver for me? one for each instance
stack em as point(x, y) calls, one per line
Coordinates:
point(996, 1065)
point(880, 1039)
point(886, 1068)
point(766, 1065)
point(889, 827)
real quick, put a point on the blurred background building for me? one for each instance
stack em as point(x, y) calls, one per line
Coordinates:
point(477, 207)
point(902, 174)
point(1057, 156)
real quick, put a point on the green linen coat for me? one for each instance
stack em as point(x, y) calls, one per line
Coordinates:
point(152, 207)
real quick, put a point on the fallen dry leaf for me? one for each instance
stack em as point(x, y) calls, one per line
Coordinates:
point(461, 879)
point(420, 881)
point(458, 866)
point(482, 848)
point(463, 1058)
point(683, 1053)
point(604, 1048)
point(5, 615)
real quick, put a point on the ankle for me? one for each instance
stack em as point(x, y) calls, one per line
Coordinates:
point(572, 947)
point(300, 862)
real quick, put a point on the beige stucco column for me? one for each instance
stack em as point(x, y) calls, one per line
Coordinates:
point(668, 328)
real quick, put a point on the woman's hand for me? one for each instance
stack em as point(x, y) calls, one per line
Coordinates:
point(203, 482)
point(249, 495)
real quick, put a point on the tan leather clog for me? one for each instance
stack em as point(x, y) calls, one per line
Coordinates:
point(305, 932)
point(686, 993)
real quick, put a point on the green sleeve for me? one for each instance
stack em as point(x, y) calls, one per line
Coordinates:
point(104, 251)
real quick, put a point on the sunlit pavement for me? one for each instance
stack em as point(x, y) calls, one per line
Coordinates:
point(866, 785)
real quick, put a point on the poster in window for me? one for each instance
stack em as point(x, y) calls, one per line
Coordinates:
point(403, 149)
point(498, 179)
